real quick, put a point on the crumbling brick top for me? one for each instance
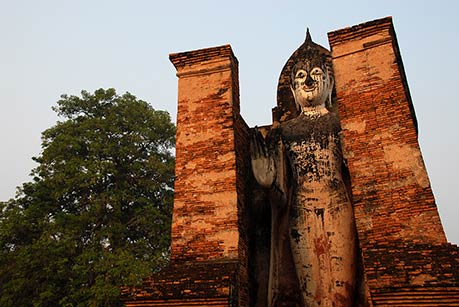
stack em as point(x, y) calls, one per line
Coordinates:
point(359, 31)
point(182, 59)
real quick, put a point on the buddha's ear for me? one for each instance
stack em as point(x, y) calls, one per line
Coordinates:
point(294, 98)
point(331, 85)
point(330, 91)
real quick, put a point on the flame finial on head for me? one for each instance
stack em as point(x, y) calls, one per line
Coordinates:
point(308, 35)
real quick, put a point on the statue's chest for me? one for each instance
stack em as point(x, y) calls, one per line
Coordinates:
point(313, 148)
point(312, 159)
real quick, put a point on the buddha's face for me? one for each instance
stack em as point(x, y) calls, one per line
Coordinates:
point(311, 86)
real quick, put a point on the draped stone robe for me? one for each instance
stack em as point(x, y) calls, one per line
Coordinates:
point(312, 211)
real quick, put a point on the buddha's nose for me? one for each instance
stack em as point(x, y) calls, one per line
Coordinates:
point(309, 81)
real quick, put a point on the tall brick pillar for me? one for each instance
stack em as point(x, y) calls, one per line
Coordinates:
point(391, 189)
point(399, 229)
point(205, 219)
point(209, 249)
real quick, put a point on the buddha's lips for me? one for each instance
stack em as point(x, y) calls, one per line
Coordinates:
point(308, 89)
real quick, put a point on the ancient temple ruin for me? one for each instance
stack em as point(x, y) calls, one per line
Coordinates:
point(330, 205)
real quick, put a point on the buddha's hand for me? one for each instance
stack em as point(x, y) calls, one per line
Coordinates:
point(263, 166)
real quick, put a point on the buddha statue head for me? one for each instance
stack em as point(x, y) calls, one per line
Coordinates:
point(306, 80)
point(311, 84)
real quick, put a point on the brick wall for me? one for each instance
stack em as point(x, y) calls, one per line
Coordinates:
point(198, 284)
point(406, 259)
point(209, 219)
point(205, 221)
point(391, 190)
point(209, 251)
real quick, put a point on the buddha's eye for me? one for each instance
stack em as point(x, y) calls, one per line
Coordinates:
point(316, 71)
point(300, 74)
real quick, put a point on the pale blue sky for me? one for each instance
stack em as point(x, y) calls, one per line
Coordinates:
point(53, 47)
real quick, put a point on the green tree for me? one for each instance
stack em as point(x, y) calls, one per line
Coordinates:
point(97, 213)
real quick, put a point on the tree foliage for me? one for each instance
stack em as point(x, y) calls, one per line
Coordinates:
point(97, 213)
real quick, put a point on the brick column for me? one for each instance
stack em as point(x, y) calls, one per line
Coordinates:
point(205, 222)
point(404, 251)
point(391, 190)
point(212, 164)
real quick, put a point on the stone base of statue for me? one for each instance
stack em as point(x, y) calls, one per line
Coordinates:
point(199, 284)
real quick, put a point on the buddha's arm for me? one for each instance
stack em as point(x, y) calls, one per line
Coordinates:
point(263, 166)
